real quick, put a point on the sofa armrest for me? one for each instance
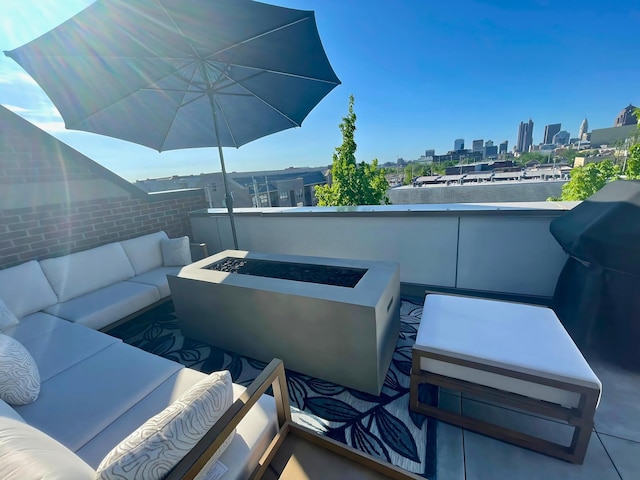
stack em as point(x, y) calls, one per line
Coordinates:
point(272, 375)
point(198, 251)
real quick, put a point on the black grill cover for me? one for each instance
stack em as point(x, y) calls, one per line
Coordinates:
point(597, 297)
point(605, 228)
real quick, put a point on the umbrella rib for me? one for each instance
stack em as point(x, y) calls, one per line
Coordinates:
point(285, 74)
point(166, 135)
point(211, 56)
point(260, 35)
point(253, 94)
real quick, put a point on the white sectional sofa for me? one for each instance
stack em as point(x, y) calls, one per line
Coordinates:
point(95, 287)
point(94, 389)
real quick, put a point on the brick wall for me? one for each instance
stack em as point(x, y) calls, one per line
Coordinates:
point(54, 230)
point(42, 213)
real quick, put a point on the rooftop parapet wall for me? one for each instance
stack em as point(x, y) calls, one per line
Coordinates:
point(504, 249)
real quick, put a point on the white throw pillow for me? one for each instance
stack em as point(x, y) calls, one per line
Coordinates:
point(162, 441)
point(7, 318)
point(176, 252)
point(19, 376)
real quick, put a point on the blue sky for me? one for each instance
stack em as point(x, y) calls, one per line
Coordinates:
point(423, 72)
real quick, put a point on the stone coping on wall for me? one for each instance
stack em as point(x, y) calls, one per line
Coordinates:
point(518, 209)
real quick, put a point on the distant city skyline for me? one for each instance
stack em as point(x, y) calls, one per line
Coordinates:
point(525, 136)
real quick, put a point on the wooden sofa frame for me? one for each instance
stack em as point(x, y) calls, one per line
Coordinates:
point(320, 456)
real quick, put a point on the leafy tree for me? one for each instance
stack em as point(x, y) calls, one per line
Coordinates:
point(587, 180)
point(633, 163)
point(632, 170)
point(437, 168)
point(568, 155)
point(525, 158)
point(352, 183)
point(415, 170)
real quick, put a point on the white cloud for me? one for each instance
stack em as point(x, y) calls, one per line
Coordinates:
point(15, 108)
point(46, 117)
point(17, 77)
point(51, 127)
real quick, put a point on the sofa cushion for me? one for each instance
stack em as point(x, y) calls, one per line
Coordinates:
point(160, 398)
point(90, 395)
point(161, 442)
point(83, 272)
point(28, 454)
point(34, 325)
point(158, 278)
point(64, 347)
point(25, 289)
point(176, 252)
point(104, 306)
point(7, 318)
point(19, 377)
point(6, 411)
point(253, 436)
point(144, 252)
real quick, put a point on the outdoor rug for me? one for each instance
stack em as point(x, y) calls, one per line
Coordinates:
point(381, 426)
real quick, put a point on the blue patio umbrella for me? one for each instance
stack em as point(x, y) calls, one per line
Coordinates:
point(173, 74)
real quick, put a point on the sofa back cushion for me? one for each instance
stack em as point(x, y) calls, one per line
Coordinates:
point(145, 252)
point(28, 453)
point(7, 317)
point(25, 289)
point(83, 272)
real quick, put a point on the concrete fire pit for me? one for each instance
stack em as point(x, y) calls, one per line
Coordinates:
point(343, 334)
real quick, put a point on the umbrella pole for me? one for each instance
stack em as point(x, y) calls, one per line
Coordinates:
point(227, 195)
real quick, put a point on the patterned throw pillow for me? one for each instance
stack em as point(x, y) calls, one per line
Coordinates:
point(160, 443)
point(176, 252)
point(7, 318)
point(19, 376)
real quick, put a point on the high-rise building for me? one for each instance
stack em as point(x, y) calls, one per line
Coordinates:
point(626, 117)
point(504, 147)
point(490, 151)
point(612, 136)
point(477, 145)
point(458, 144)
point(549, 132)
point(584, 129)
point(561, 138)
point(525, 136)
point(488, 143)
point(430, 152)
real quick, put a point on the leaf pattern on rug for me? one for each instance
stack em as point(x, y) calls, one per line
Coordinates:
point(382, 426)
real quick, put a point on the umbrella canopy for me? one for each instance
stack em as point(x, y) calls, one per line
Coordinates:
point(604, 229)
point(172, 74)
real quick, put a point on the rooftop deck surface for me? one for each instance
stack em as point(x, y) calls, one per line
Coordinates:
point(613, 453)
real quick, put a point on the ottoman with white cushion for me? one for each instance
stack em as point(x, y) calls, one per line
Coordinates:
point(513, 354)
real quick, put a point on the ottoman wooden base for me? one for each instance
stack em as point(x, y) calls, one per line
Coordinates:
point(581, 418)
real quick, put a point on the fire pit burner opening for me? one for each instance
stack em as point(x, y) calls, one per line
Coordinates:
point(301, 272)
